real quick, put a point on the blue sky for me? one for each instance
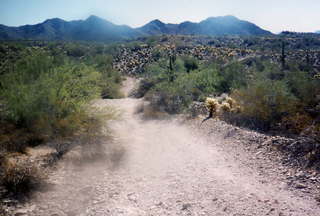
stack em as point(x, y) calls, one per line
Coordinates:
point(273, 15)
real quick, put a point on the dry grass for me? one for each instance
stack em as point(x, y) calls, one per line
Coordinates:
point(19, 174)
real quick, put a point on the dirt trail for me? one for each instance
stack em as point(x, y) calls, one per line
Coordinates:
point(167, 168)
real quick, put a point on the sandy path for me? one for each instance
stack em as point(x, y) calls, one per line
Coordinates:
point(168, 169)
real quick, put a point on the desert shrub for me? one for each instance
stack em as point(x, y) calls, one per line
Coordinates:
point(110, 78)
point(144, 86)
point(156, 69)
point(179, 66)
point(15, 139)
point(110, 84)
point(297, 122)
point(271, 71)
point(265, 102)
point(174, 96)
point(102, 63)
point(190, 64)
point(37, 92)
point(303, 86)
point(207, 80)
point(272, 98)
point(154, 74)
point(19, 175)
point(168, 98)
point(111, 49)
point(45, 94)
point(75, 50)
point(233, 76)
point(110, 89)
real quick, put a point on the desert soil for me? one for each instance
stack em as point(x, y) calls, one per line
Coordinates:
point(170, 167)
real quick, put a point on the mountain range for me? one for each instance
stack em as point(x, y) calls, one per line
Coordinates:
point(97, 29)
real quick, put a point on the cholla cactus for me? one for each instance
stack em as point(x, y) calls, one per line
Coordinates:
point(231, 102)
point(234, 106)
point(225, 107)
point(217, 110)
point(212, 105)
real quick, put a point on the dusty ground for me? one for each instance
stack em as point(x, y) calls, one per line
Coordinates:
point(171, 168)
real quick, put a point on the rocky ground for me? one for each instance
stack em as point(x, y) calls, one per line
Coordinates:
point(268, 153)
point(177, 167)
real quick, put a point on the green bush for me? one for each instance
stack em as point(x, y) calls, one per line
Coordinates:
point(233, 76)
point(38, 92)
point(166, 97)
point(75, 50)
point(207, 80)
point(110, 78)
point(190, 64)
point(303, 86)
point(157, 70)
point(266, 102)
point(174, 96)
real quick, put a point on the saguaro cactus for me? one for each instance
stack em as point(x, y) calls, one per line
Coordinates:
point(172, 60)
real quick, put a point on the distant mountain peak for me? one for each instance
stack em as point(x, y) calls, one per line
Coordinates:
point(156, 22)
point(94, 18)
point(95, 28)
point(230, 17)
point(97, 21)
point(154, 27)
point(54, 20)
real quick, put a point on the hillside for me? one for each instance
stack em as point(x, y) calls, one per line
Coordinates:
point(97, 29)
point(91, 29)
point(226, 25)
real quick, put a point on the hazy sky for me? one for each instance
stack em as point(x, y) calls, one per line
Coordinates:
point(273, 15)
